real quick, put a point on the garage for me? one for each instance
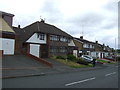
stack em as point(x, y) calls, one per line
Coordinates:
point(35, 50)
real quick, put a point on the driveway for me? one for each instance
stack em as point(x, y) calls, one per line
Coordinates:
point(21, 65)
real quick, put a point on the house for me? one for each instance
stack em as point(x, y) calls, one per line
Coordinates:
point(98, 53)
point(93, 49)
point(44, 40)
point(7, 34)
point(85, 47)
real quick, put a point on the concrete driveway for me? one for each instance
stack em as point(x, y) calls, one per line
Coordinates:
point(20, 65)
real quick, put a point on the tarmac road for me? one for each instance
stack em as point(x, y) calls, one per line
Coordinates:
point(106, 77)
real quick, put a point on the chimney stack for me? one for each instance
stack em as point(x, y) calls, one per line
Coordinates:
point(18, 26)
point(96, 41)
point(81, 37)
point(103, 44)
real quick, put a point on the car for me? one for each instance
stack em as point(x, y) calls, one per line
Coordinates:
point(87, 58)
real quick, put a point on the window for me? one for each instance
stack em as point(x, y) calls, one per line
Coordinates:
point(52, 49)
point(86, 45)
point(63, 49)
point(41, 36)
point(63, 39)
point(68, 40)
point(54, 38)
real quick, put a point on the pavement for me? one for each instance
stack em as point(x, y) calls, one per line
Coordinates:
point(23, 66)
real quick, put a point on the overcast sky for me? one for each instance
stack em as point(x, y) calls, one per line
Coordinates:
point(97, 19)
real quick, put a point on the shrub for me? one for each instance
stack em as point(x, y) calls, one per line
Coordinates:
point(53, 57)
point(61, 57)
point(81, 61)
point(71, 57)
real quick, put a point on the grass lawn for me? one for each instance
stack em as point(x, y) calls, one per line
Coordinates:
point(103, 61)
point(73, 64)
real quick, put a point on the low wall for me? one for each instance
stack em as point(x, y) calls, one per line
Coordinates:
point(39, 59)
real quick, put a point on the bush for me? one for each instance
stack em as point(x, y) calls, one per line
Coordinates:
point(61, 57)
point(72, 58)
point(81, 61)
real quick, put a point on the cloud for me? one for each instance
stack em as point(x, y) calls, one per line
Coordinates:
point(51, 11)
point(97, 19)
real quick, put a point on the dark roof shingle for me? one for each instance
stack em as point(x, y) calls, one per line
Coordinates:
point(42, 27)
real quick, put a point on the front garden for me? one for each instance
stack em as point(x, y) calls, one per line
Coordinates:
point(72, 61)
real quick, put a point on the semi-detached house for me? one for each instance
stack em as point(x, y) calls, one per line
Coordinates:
point(93, 49)
point(44, 40)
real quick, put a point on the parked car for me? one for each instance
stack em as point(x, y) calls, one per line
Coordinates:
point(87, 58)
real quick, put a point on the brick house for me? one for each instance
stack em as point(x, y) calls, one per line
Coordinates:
point(93, 49)
point(44, 40)
point(85, 47)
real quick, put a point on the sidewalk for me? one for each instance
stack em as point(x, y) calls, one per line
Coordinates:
point(25, 67)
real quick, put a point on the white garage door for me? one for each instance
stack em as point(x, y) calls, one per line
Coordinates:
point(7, 46)
point(75, 53)
point(35, 49)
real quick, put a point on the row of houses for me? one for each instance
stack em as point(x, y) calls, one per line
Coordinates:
point(44, 40)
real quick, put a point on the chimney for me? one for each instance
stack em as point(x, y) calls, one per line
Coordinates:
point(103, 44)
point(81, 37)
point(18, 26)
point(42, 20)
point(96, 41)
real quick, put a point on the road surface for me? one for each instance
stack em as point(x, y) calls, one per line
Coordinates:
point(99, 78)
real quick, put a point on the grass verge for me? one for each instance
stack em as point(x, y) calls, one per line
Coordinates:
point(103, 61)
point(73, 64)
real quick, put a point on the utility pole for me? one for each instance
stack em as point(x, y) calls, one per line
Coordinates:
point(115, 50)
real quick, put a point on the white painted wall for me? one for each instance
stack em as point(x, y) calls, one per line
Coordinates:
point(35, 39)
point(71, 43)
point(35, 49)
point(75, 53)
point(7, 45)
point(93, 54)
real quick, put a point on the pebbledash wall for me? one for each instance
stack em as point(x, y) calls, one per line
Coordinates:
point(34, 43)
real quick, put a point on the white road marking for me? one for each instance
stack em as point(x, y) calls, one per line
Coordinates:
point(110, 74)
point(80, 81)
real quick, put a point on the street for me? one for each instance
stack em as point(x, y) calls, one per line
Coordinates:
point(106, 77)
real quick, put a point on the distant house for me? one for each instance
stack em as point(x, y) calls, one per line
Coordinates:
point(98, 53)
point(7, 34)
point(44, 40)
point(93, 49)
point(85, 47)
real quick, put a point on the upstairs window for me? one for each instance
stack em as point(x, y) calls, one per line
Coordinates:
point(54, 38)
point(86, 45)
point(63, 39)
point(41, 36)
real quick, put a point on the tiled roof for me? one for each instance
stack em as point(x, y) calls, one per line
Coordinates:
point(42, 27)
